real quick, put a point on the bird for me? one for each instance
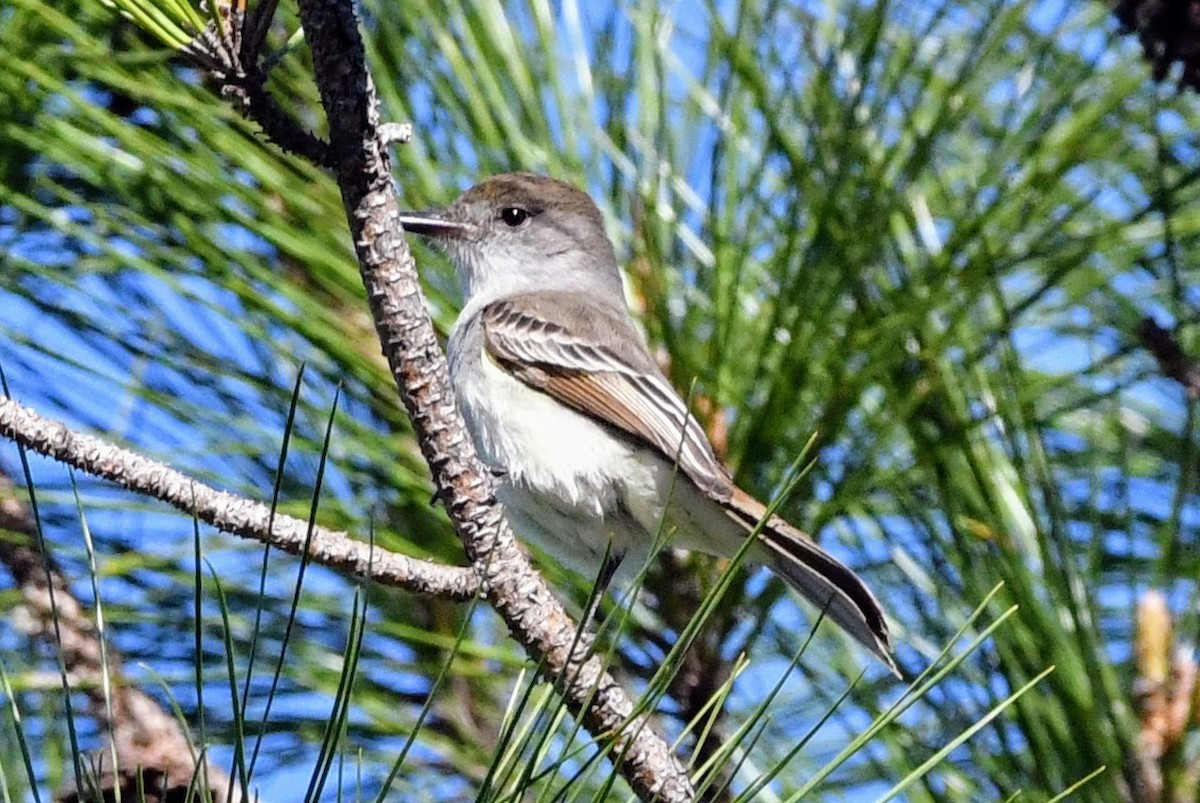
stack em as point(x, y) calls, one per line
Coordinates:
point(593, 448)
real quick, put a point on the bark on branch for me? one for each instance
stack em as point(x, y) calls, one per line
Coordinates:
point(225, 511)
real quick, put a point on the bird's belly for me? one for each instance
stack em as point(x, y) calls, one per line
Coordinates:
point(542, 444)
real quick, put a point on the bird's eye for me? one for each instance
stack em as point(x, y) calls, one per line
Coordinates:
point(514, 216)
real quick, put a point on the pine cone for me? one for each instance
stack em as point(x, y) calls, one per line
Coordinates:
point(1169, 31)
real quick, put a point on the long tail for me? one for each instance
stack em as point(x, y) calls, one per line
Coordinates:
point(820, 577)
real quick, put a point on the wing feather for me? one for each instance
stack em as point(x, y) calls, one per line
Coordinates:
point(573, 360)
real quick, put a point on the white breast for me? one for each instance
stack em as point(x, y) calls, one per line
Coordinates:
point(539, 442)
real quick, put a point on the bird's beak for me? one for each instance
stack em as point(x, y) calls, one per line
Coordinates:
point(431, 224)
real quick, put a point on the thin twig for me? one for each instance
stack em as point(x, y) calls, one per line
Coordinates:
point(225, 511)
point(231, 53)
point(1163, 344)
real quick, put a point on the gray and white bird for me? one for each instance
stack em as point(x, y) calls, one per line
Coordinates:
point(592, 444)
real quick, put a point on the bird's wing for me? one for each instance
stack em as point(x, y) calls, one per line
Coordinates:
point(592, 359)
